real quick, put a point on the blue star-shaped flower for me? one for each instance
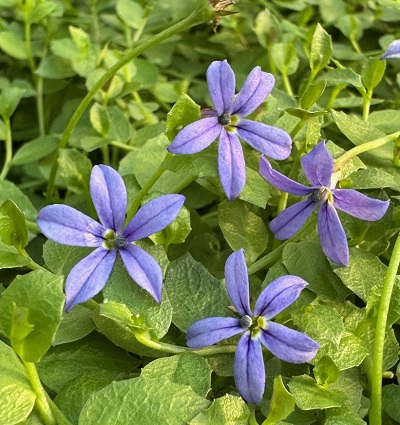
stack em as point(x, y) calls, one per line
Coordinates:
point(257, 328)
point(227, 121)
point(393, 51)
point(68, 226)
point(318, 167)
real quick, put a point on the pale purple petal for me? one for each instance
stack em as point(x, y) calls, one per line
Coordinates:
point(318, 165)
point(68, 226)
point(212, 330)
point(231, 166)
point(332, 236)
point(359, 205)
point(89, 276)
point(196, 136)
point(278, 295)
point(393, 51)
point(271, 141)
point(289, 221)
point(143, 269)
point(221, 85)
point(108, 193)
point(256, 88)
point(282, 182)
point(237, 282)
point(249, 369)
point(153, 217)
point(287, 344)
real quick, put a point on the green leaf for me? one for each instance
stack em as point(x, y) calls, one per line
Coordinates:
point(312, 94)
point(143, 401)
point(242, 228)
point(256, 191)
point(74, 170)
point(13, 230)
point(325, 371)
point(55, 68)
point(390, 399)
point(285, 57)
point(335, 77)
point(9, 190)
point(36, 149)
point(321, 49)
point(16, 395)
point(10, 257)
point(186, 369)
point(194, 293)
point(387, 120)
point(92, 354)
point(309, 395)
point(130, 12)
point(12, 44)
point(372, 72)
point(9, 100)
point(307, 260)
point(40, 292)
point(371, 178)
point(355, 129)
point(282, 403)
point(184, 112)
point(42, 10)
point(100, 119)
point(226, 410)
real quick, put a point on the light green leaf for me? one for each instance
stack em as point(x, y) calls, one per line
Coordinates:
point(12, 44)
point(55, 68)
point(285, 57)
point(9, 190)
point(312, 94)
point(130, 12)
point(334, 77)
point(321, 49)
point(371, 178)
point(242, 228)
point(9, 100)
point(74, 170)
point(144, 401)
point(194, 293)
point(10, 257)
point(13, 230)
point(325, 371)
point(282, 403)
point(36, 149)
point(100, 119)
point(372, 72)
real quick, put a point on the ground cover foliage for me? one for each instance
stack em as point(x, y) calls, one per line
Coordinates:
point(92, 94)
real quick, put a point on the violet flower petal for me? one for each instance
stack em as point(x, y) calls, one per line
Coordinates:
point(271, 141)
point(289, 221)
point(287, 344)
point(196, 136)
point(278, 295)
point(153, 217)
point(221, 85)
point(231, 166)
point(212, 330)
point(393, 51)
point(143, 269)
point(358, 205)
point(249, 369)
point(282, 182)
point(88, 277)
point(237, 282)
point(108, 193)
point(68, 226)
point(332, 236)
point(318, 165)
point(256, 88)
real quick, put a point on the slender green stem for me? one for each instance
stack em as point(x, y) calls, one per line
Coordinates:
point(40, 105)
point(41, 399)
point(342, 160)
point(286, 83)
point(202, 14)
point(32, 226)
point(145, 339)
point(8, 146)
point(32, 265)
point(335, 92)
point(375, 415)
point(59, 416)
point(123, 146)
point(366, 104)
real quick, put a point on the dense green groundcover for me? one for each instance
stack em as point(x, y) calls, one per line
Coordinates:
point(113, 82)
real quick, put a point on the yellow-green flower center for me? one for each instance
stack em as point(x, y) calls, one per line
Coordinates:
point(113, 240)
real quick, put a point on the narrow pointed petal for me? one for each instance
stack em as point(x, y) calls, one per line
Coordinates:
point(221, 85)
point(393, 51)
point(153, 217)
point(68, 226)
point(332, 236)
point(289, 221)
point(282, 182)
point(278, 295)
point(212, 330)
point(287, 344)
point(358, 205)
point(256, 88)
point(237, 282)
point(271, 141)
point(143, 269)
point(89, 276)
point(231, 166)
point(249, 370)
point(196, 136)
point(108, 193)
point(318, 165)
